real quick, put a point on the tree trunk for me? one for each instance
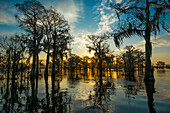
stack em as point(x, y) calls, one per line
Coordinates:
point(53, 97)
point(100, 91)
point(37, 72)
point(46, 68)
point(9, 65)
point(33, 64)
point(100, 68)
point(47, 93)
point(148, 47)
point(32, 76)
point(54, 62)
point(13, 93)
point(150, 90)
point(7, 88)
point(14, 67)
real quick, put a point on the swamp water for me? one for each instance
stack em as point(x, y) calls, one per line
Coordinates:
point(85, 93)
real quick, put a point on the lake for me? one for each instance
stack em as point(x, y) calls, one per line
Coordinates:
point(86, 93)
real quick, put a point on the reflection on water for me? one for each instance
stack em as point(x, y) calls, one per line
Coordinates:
point(84, 92)
point(161, 71)
point(150, 89)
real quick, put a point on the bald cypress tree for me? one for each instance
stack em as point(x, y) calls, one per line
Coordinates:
point(29, 20)
point(142, 18)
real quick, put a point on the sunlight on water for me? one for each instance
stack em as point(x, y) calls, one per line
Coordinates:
point(83, 93)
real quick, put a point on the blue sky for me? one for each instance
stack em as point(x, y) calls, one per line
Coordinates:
point(85, 17)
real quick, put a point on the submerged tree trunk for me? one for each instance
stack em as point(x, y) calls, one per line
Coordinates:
point(46, 68)
point(53, 65)
point(13, 90)
point(54, 62)
point(148, 71)
point(32, 76)
point(100, 68)
point(7, 88)
point(148, 51)
point(14, 67)
point(148, 47)
point(37, 72)
point(150, 90)
point(100, 91)
point(33, 64)
point(53, 97)
point(46, 77)
point(6, 98)
point(9, 65)
point(47, 93)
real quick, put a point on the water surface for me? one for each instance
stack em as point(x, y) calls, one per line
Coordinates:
point(84, 93)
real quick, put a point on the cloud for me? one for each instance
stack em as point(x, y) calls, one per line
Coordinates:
point(106, 15)
point(6, 33)
point(160, 41)
point(79, 43)
point(80, 39)
point(71, 10)
point(106, 18)
point(6, 18)
point(7, 14)
point(118, 1)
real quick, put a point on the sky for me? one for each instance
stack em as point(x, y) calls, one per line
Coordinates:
point(86, 17)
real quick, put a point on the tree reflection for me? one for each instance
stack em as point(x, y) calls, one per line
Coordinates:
point(47, 31)
point(150, 89)
point(131, 89)
point(60, 99)
point(101, 98)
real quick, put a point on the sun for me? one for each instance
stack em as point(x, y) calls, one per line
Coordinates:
point(89, 61)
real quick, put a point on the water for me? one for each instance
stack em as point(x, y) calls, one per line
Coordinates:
point(87, 94)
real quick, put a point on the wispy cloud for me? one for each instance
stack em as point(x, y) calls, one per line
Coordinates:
point(6, 18)
point(71, 10)
point(160, 41)
point(107, 16)
point(80, 41)
point(7, 14)
point(6, 33)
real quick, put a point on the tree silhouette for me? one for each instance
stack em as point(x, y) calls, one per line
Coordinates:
point(140, 59)
point(99, 46)
point(109, 61)
point(150, 90)
point(160, 64)
point(85, 64)
point(29, 20)
point(2, 60)
point(46, 20)
point(101, 97)
point(60, 39)
point(14, 51)
point(142, 18)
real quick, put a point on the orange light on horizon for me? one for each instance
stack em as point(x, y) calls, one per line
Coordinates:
point(114, 60)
